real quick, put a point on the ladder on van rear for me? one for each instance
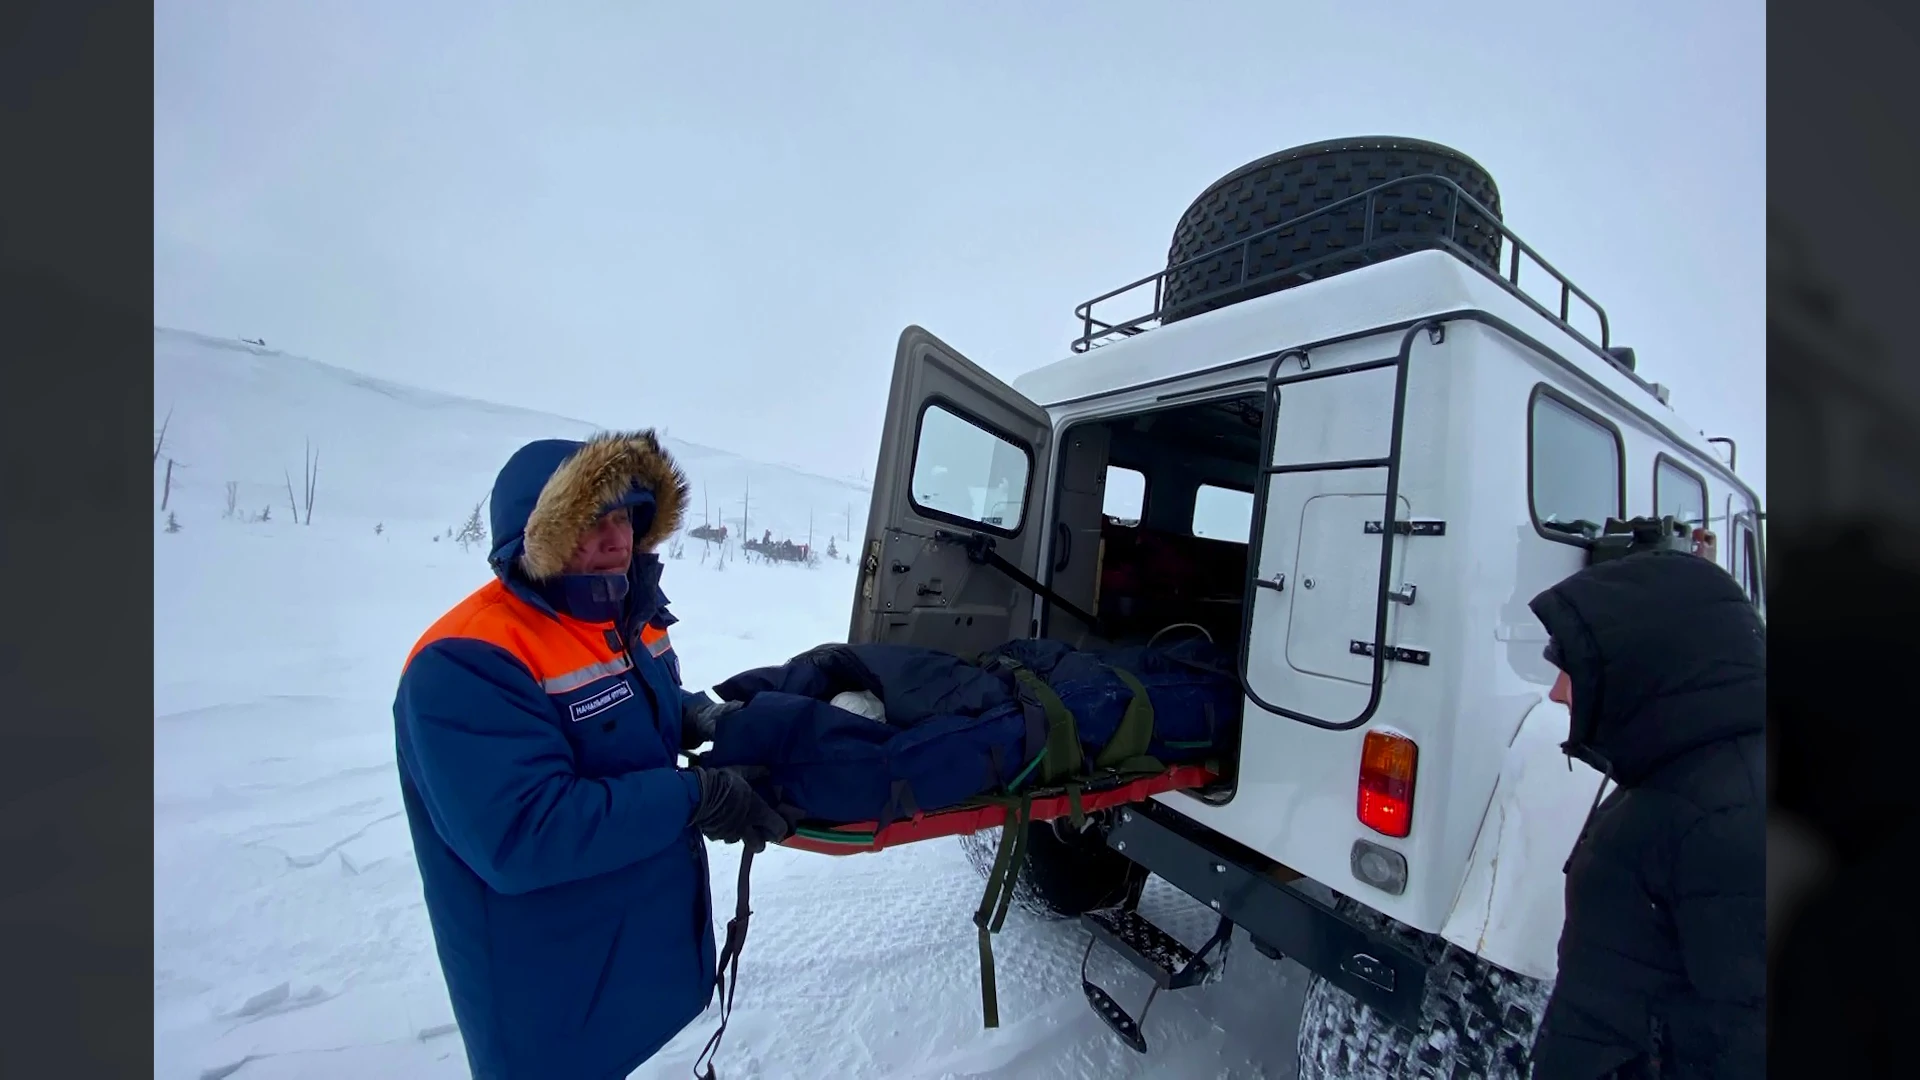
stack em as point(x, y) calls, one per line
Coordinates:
point(1388, 527)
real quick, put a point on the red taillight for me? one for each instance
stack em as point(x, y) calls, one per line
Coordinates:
point(1387, 765)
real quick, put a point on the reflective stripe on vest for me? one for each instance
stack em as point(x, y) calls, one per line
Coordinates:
point(573, 680)
point(655, 639)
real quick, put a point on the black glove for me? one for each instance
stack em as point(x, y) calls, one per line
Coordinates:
point(700, 719)
point(730, 811)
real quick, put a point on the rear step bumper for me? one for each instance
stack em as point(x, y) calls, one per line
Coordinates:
point(1372, 968)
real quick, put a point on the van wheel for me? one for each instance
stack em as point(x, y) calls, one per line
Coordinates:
point(1264, 193)
point(1478, 1020)
point(1066, 873)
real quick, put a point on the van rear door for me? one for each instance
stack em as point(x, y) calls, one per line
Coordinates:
point(963, 456)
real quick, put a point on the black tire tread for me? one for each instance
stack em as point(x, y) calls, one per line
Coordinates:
point(1059, 879)
point(1291, 183)
point(1479, 1020)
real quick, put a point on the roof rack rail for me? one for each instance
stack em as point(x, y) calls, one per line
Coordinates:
point(1374, 248)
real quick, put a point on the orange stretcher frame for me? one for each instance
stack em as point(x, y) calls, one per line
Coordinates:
point(864, 836)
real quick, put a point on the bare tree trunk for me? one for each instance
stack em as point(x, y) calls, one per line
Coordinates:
point(313, 481)
point(294, 506)
point(161, 440)
point(233, 497)
point(166, 492)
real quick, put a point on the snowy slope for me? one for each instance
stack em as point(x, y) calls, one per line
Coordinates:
point(289, 935)
point(411, 458)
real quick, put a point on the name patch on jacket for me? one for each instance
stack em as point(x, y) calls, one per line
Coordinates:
point(601, 702)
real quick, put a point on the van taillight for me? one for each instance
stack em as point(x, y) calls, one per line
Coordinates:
point(1387, 765)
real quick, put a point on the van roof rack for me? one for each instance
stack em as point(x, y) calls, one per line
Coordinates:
point(1375, 247)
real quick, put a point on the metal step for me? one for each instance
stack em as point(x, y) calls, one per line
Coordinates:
point(1116, 1017)
point(1172, 965)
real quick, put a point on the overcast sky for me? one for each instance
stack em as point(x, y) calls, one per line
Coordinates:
point(717, 218)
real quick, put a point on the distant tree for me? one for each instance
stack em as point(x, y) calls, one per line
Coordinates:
point(233, 498)
point(173, 524)
point(378, 528)
point(473, 531)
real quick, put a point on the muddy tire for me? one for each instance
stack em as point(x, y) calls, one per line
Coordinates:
point(1065, 875)
point(1478, 1020)
point(1292, 183)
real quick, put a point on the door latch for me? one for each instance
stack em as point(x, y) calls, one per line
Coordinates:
point(1404, 594)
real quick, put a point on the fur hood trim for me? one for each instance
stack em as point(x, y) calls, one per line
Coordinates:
point(603, 471)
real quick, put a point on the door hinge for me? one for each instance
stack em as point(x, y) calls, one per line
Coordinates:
point(1394, 652)
point(1409, 528)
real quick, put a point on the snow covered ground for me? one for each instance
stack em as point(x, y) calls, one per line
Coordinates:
point(290, 938)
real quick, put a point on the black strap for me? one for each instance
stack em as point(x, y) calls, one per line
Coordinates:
point(727, 970)
point(980, 549)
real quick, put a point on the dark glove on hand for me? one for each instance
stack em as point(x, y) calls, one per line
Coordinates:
point(700, 719)
point(730, 811)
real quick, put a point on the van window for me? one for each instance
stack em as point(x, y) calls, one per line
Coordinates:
point(961, 470)
point(1574, 461)
point(1222, 513)
point(1126, 495)
point(1678, 492)
point(1744, 558)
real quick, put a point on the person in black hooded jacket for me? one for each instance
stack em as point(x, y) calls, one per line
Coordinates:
point(1663, 955)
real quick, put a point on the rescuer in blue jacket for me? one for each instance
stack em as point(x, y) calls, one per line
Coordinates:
point(538, 725)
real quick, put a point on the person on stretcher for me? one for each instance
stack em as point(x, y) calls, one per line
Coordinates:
point(876, 733)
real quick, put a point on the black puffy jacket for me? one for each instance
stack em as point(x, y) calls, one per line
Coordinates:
point(1663, 955)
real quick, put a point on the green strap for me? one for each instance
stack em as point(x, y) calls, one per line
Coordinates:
point(1017, 819)
point(1135, 731)
point(1063, 758)
point(992, 913)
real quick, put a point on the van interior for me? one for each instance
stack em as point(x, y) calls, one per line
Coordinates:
point(1154, 512)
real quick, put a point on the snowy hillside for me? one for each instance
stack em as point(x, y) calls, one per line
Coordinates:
point(409, 458)
point(290, 938)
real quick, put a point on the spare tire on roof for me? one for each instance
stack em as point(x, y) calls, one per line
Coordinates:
point(1294, 183)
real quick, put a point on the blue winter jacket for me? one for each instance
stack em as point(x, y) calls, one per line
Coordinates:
point(537, 727)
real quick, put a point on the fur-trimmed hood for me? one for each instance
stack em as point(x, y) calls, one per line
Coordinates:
point(550, 491)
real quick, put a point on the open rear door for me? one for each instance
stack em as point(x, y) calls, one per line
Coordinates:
point(962, 457)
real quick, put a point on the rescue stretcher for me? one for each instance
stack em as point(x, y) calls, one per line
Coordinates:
point(853, 839)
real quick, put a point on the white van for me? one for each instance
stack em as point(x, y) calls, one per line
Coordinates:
point(1357, 425)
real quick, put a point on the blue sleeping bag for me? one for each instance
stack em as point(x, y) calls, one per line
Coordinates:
point(955, 730)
